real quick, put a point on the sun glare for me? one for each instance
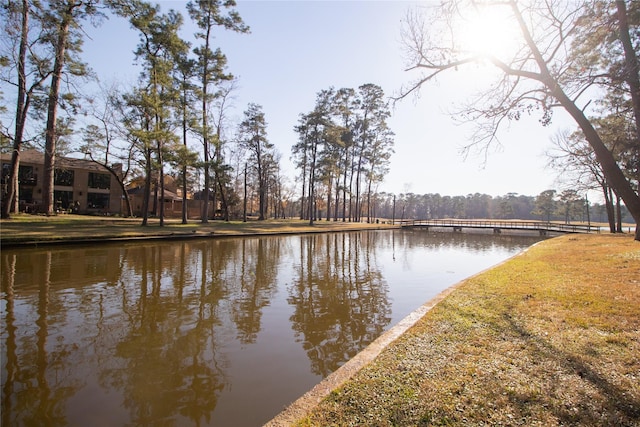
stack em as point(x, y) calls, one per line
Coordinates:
point(489, 30)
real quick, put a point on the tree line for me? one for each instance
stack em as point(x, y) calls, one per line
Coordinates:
point(343, 151)
point(145, 127)
point(183, 94)
point(566, 206)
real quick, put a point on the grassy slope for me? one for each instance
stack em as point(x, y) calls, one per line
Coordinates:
point(552, 337)
point(24, 228)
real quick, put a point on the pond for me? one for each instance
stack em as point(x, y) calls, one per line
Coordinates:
point(224, 331)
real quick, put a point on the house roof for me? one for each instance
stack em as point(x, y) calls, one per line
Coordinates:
point(37, 157)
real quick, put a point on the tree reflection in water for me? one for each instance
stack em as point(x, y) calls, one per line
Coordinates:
point(202, 332)
point(339, 297)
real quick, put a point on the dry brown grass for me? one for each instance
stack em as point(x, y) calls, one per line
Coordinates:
point(551, 337)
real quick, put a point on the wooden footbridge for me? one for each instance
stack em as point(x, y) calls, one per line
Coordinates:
point(541, 227)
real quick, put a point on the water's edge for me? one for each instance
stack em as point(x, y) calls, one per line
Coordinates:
point(304, 404)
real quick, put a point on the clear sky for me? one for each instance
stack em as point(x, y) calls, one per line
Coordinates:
point(297, 48)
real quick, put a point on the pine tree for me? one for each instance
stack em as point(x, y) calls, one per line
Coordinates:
point(158, 50)
point(208, 14)
point(253, 139)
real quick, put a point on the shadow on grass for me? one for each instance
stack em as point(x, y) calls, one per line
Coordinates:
point(618, 408)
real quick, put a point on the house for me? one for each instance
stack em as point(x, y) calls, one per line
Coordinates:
point(172, 199)
point(80, 185)
point(172, 202)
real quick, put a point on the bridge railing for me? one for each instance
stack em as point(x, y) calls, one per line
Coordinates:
point(502, 224)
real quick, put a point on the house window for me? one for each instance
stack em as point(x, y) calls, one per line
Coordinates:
point(26, 175)
point(63, 199)
point(97, 201)
point(100, 181)
point(63, 177)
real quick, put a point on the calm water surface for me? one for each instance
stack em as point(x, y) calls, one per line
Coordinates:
point(209, 332)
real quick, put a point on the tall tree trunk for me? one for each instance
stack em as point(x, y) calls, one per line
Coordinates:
point(244, 203)
point(225, 207)
point(205, 191)
point(205, 127)
point(261, 185)
point(631, 62)
point(311, 193)
point(586, 204)
point(351, 188)
point(618, 215)
point(358, 206)
point(161, 182)
point(369, 207)
point(336, 208)
point(304, 182)
point(615, 177)
point(205, 142)
point(185, 206)
point(262, 200)
point(344, 185)
point(329, 196)
point(217, 178)
point(312, 180)
point(158, 126)
point(10, 200)
point(632, 70)
point(608, 204)
point(127, 199)
point(304, 189)
point(147, 187)
point(52, 114)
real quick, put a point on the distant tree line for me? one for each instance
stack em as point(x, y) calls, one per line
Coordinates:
point(567, 206)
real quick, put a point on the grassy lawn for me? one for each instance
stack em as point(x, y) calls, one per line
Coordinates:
point(551, 337)
point(23, 228)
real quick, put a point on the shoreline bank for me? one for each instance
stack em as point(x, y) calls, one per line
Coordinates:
point(549, 337)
